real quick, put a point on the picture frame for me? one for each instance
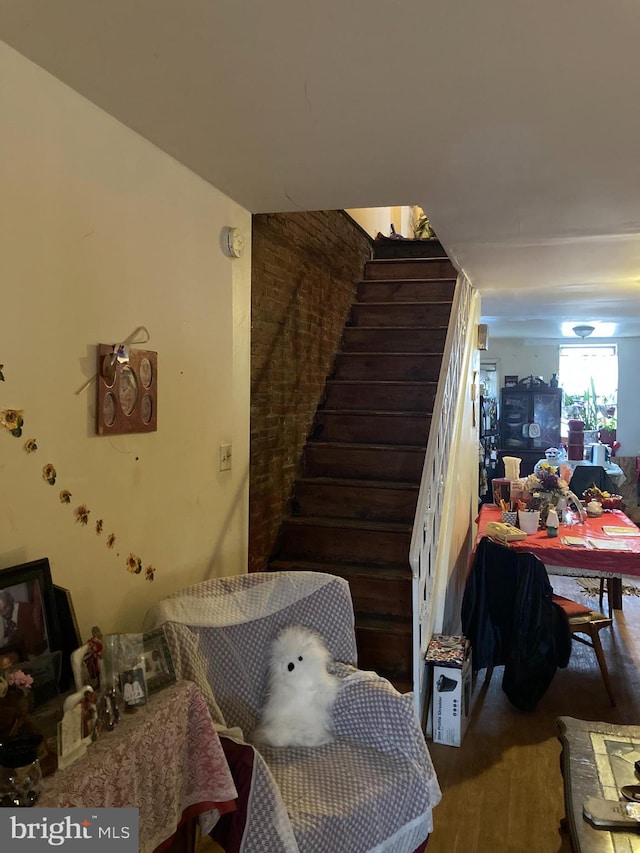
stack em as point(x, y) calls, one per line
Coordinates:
point(158, 664)
point(29, 624)
point(134, 688)
point(70, 638)
point(127, 390)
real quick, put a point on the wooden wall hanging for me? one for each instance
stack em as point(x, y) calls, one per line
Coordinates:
point(127, 390)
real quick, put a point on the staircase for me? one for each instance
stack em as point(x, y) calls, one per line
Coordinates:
point(353, 507)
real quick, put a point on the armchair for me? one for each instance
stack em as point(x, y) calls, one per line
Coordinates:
point(372, 788)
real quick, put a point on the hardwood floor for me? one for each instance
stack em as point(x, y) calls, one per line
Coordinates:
point(502, 789)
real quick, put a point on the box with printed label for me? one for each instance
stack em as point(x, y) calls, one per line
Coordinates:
point(450, 660)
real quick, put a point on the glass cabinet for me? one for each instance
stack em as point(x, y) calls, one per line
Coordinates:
point(530, 416)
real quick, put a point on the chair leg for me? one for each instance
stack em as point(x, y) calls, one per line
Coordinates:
point(488, 674)
point(602, 663)
point(606, 583)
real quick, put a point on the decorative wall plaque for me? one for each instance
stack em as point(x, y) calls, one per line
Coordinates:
point(127, 390)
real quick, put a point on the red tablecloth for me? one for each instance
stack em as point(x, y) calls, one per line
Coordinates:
point(554, 552)
point(167, 760)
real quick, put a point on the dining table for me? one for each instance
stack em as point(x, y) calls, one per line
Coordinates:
point(605, 546)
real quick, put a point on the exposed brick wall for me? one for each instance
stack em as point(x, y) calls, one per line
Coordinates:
point(305, 267)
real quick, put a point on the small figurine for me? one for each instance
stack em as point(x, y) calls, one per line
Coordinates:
point(86, 661)
point(94, 654)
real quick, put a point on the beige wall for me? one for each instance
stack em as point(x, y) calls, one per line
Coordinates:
point(379, 219)
point(101, 232)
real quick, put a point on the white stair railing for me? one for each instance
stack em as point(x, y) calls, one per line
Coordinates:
point(423, 553)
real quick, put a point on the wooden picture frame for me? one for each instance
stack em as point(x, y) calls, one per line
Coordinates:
point(29, 624)
point(127, 390)
point(158, 663)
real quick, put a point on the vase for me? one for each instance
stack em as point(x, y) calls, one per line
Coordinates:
point(14, 713)
point(544, 501)
point(20, 771)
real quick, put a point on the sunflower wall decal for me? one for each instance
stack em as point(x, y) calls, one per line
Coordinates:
point(13, 421)
point(49, 474)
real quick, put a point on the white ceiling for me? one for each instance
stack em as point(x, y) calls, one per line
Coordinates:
point(515, 126)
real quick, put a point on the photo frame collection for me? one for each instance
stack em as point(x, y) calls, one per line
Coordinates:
point(146, 657)
point(39, 635)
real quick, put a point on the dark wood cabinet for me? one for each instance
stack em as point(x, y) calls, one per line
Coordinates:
point(530, 417)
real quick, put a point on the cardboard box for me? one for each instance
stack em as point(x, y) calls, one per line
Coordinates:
point(450, 659)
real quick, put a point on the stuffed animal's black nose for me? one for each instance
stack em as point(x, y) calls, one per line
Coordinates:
point(291, 667)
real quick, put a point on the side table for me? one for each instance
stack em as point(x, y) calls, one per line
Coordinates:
point(166, 760)
point(593, 765)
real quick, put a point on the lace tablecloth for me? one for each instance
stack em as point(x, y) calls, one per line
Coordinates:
point(166, 760)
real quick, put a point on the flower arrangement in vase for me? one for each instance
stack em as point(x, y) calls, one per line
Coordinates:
point(546, 488)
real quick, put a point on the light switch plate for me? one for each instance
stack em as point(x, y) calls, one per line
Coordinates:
point(225, 457)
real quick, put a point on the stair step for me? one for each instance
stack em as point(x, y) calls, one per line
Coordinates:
point(406, 290)
point(382, 590)
point(345, 540)
point(368, 427)
point(384, 645)
point(371, 500)
point(389, 247)
point(428, 338)
point(397, 464)
point(387, 366)
point(410, 268)
point(400, 314)
point(382, 396)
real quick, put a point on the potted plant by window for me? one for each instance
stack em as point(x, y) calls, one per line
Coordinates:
point(599, 418)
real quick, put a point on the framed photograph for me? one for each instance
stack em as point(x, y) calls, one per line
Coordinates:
point(28, 617)
point(510, 381)
point(134, 688)
point(69, 633)
point(158, 664)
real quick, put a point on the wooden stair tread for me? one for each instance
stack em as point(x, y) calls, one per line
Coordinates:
point(346, 570)
point(357, 482)
point(350, 446)
point(386, 303)
point(401, 686)
point(375, 413)
point(436, 327)
point(391, 354)
point(383, 625)
point(349, 523)
point(382, 381)
point(412, 281)
point(427, 260)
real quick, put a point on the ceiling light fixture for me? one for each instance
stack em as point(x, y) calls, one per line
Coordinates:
point(583, 331)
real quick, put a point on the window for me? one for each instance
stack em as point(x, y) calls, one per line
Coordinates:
point(589, 379)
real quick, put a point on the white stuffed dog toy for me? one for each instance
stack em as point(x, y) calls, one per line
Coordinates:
point(301, 691)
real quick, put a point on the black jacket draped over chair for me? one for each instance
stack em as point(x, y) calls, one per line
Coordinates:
point(510, 619)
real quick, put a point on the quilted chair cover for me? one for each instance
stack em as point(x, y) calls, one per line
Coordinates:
point(374, 787)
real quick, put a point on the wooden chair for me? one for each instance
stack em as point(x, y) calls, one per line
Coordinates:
point(582, 620)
